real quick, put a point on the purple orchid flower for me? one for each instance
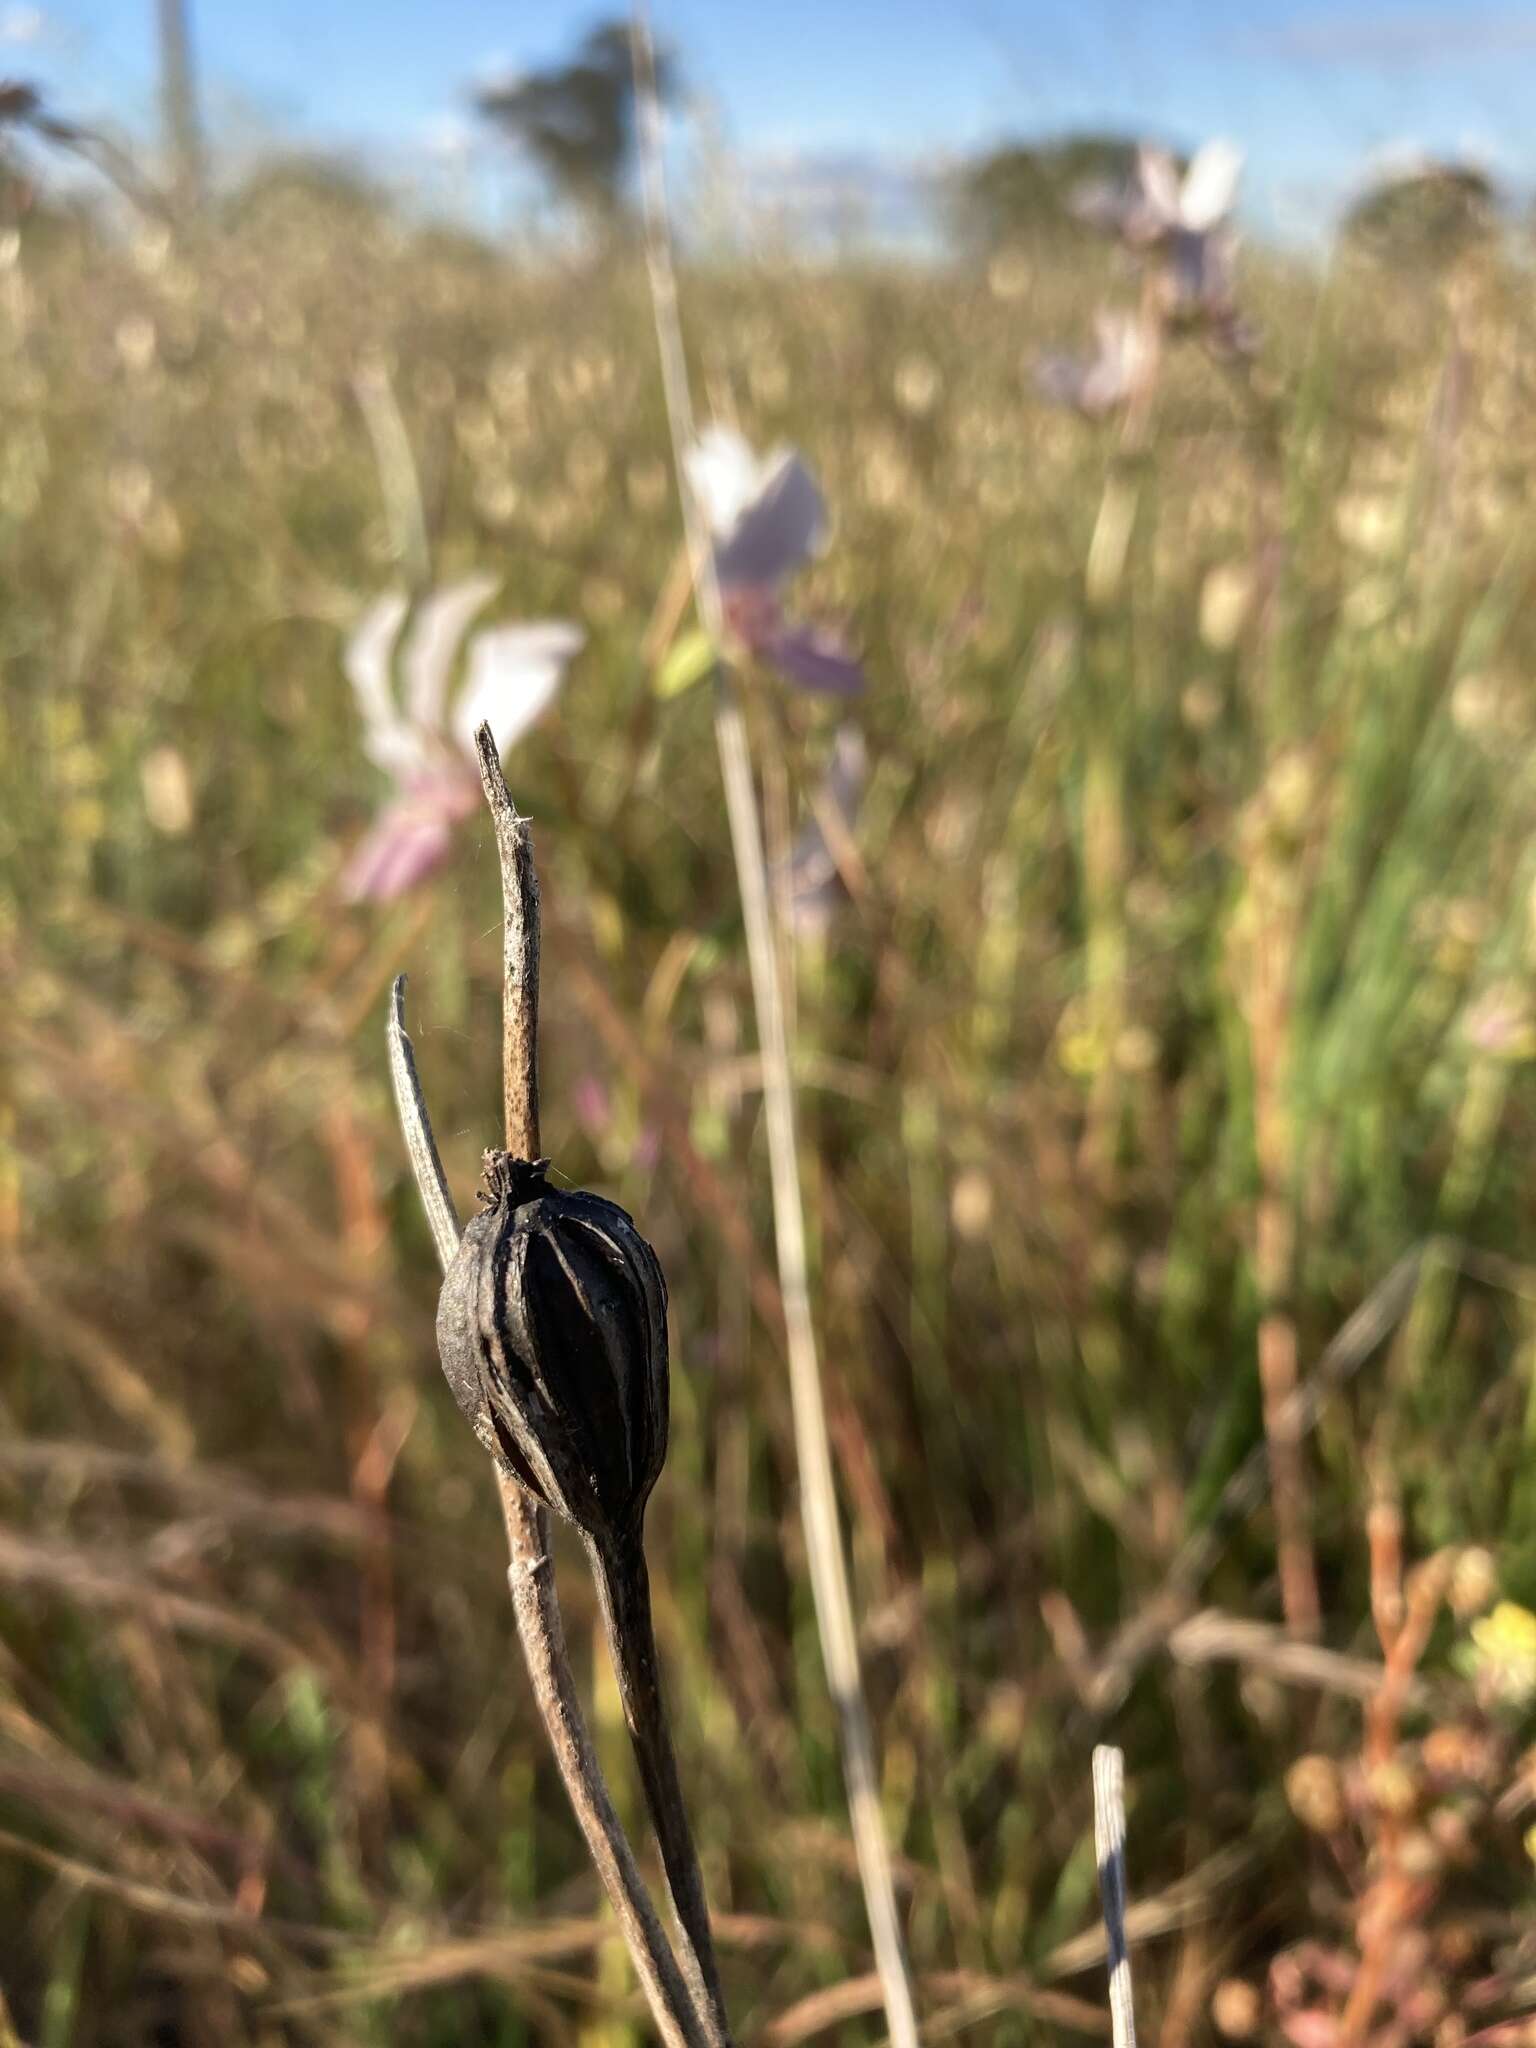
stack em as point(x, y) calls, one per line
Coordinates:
point(423, 741)
point(1186, 219)
point(1157, 202)
point(766, 518)
point(1099, 384)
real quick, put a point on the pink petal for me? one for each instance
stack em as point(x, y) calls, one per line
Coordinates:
point(409, 838)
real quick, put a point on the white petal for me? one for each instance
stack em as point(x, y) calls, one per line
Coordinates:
point(514, 672)
point(432, 645)
point(368, 664)
point(1159, 176)
point(724, 475)
point(1210, 186)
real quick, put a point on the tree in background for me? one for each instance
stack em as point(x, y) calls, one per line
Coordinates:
point(1427, 215)
point(1027, 192)
point(577, 121)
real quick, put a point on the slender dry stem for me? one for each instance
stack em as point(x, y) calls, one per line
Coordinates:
point(520, 957)
point(624, 1595)
point(416, 1127)
point(623, 1588)
point(818, 1493)
point(1109, 1843)
point(1270, 1009)
point(536, 1605)
point(530, 1575)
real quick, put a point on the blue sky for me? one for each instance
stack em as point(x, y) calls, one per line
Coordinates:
point(1313, 91)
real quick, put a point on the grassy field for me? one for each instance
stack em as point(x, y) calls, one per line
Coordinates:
point(1184, 986)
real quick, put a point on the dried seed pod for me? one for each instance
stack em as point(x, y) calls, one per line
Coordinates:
point(552, 1327)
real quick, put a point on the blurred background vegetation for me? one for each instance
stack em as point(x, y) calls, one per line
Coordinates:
point(1181, 985)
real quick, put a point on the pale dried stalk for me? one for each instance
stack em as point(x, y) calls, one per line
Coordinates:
point(1109, 1844)
point(622, 1583)
point(399, 483)
point(530, 1576)
point(818, 1493)
point(519, 957)
point(416, 1129)
point(1269, 1008)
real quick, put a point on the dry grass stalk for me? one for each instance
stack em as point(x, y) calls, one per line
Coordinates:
point(622, 1583)
point(530, 1574)
point(824, 1544)
point(1109, 1842)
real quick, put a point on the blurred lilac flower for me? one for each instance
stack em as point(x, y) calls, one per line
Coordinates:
point(1187, 218)
point(1100, 383)
point(423, 741)
point(816, 888)
point(1198, 290)
point(1196, 203)
point(766, 518)
point(1156, 201)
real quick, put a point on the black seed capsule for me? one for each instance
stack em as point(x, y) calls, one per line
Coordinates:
point(552, 1327)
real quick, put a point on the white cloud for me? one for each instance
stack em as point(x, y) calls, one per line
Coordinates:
point(449, 138)
point(22, 25)
point(497, 73)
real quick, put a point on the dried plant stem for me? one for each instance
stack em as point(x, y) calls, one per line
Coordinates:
point(1105, 852)
point(536, 1606)
point(623, 1586)
point(624, 1594)
point(1109, 1844)
point(416, 1128)
point(1269, 1006)
point(818, 1493)
point(530, 1575)
point(520, 957)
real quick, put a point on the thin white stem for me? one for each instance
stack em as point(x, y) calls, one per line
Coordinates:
point(1109, 1843)
point(818, 1491)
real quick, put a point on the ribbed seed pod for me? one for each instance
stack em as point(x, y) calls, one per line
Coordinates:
point(552, 1327)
